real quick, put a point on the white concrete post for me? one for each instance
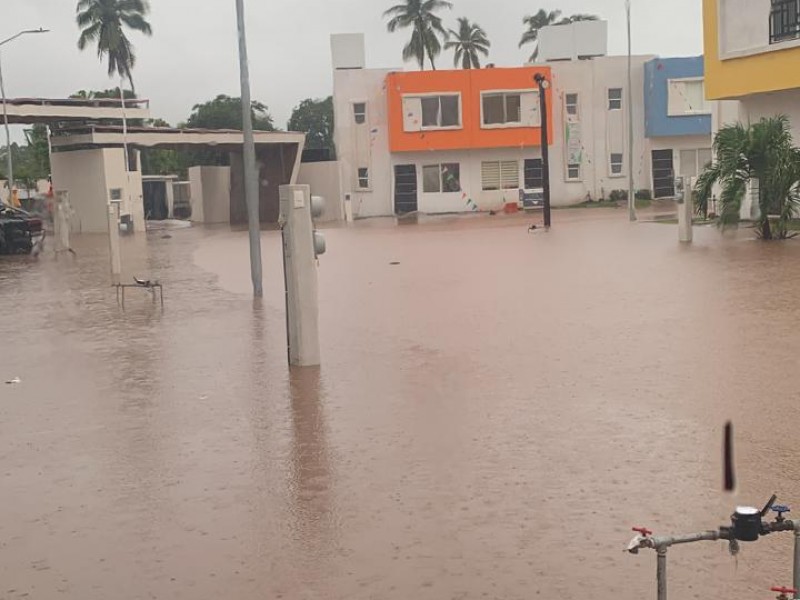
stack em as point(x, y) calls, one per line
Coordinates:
point(300, 271)
point(113, 243)
point(61, 222)
point(685, 210)
point(170, 199)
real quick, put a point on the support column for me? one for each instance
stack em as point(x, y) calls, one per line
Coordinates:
point(113, 243)
point(300, 270)
point(685, 212)
point(662, 574)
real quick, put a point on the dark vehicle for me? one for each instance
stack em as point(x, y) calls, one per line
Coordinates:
point(19, 230)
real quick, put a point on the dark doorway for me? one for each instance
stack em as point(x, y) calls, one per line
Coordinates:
point(405, 189)
point(155, 200)
point(663, 174)
point(276, 163)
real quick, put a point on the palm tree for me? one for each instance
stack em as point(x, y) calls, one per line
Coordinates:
point(419, 14)
point(764, 152)
point(543, 19)
point(469, 41)
point(104, 22)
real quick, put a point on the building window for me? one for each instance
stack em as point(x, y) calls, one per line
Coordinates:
point(441, 178)
point(500, 175)
point(360, 112)
point(694, 162)
point(573, 172)
point(534, 174)
point(133, 161)
point(502, 109)
point(441, 112)
point(510, 109)
point(571, 103)
point(687, 97)
point(615, 99)
point(784, 22)
point(363, 178)
point(616, 163)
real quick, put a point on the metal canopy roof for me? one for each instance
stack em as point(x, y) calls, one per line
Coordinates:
point(29, 111)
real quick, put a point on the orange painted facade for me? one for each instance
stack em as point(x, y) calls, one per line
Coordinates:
point(470, 84)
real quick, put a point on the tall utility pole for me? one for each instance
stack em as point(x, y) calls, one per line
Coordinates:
point(631, 187)
point(251, 194)
point(543, 84)
point(9, 159)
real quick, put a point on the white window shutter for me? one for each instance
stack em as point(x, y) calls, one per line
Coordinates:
point(490, 175)
point(509, 173)
point(530, 109)
point(412, 114)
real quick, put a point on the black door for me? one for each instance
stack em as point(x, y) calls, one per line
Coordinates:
point(663, 174)
point(405, 189)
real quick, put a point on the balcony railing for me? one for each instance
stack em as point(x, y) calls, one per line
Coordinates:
point(784, 21)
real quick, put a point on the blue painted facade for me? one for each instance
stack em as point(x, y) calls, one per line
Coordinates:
point(658, 123)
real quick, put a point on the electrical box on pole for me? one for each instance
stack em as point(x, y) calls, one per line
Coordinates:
point(115, 200)
point(683, 191)
point(302, 244)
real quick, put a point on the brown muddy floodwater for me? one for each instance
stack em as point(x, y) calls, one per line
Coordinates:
point(492, 416)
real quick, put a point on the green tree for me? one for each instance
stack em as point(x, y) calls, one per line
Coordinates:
point(469, 41)
point(162, 161)
point(427, 28)
point(315, 119)
point(104, 23)
point(109, 94)
point(543, 18)
point(763, 151)
point(225, 112)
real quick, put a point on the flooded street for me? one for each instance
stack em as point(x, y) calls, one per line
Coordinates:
point(493, 414)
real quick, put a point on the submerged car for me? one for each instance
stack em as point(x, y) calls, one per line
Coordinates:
point(20, 231)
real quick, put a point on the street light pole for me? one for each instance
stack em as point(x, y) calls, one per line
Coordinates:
point(543, 84)
point(251, 194)
point(631, 187)
point(9, 159)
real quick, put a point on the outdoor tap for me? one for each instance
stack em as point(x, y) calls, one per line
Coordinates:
point(784, 592)
point(642, 540)
point(781, 509)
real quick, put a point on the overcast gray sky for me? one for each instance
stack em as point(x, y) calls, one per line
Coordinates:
point(192, 55)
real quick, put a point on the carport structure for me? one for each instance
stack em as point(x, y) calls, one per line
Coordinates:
point(88, 160)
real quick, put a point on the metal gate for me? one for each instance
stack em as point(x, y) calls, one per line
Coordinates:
point(405, 189)
point(663, 174)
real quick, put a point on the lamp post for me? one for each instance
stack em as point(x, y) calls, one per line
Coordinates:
point(543, 84)
point(9, 159)
point(251, 194)
point(631, 190)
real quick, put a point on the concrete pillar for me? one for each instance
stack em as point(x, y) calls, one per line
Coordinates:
point(300, 266)
point(685, 210)
point(113, 243)
point(170, 199)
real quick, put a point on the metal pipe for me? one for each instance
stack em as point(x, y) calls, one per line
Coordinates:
point(661, 573)
point(9, 159)
point(631, 187)
point(796, 584)
point(666, 541)
point(249, 157)
point(543, 86)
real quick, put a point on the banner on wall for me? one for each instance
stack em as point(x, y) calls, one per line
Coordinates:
point(574, 144)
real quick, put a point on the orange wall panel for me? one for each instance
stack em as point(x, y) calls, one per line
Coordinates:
point(470, 83)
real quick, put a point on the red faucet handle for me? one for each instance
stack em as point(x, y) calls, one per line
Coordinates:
point(784, 590)
point(643, 530)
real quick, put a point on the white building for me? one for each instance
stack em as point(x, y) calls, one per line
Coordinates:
point(457, 141)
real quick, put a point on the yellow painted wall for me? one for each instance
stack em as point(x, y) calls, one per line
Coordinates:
point(733, 78)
